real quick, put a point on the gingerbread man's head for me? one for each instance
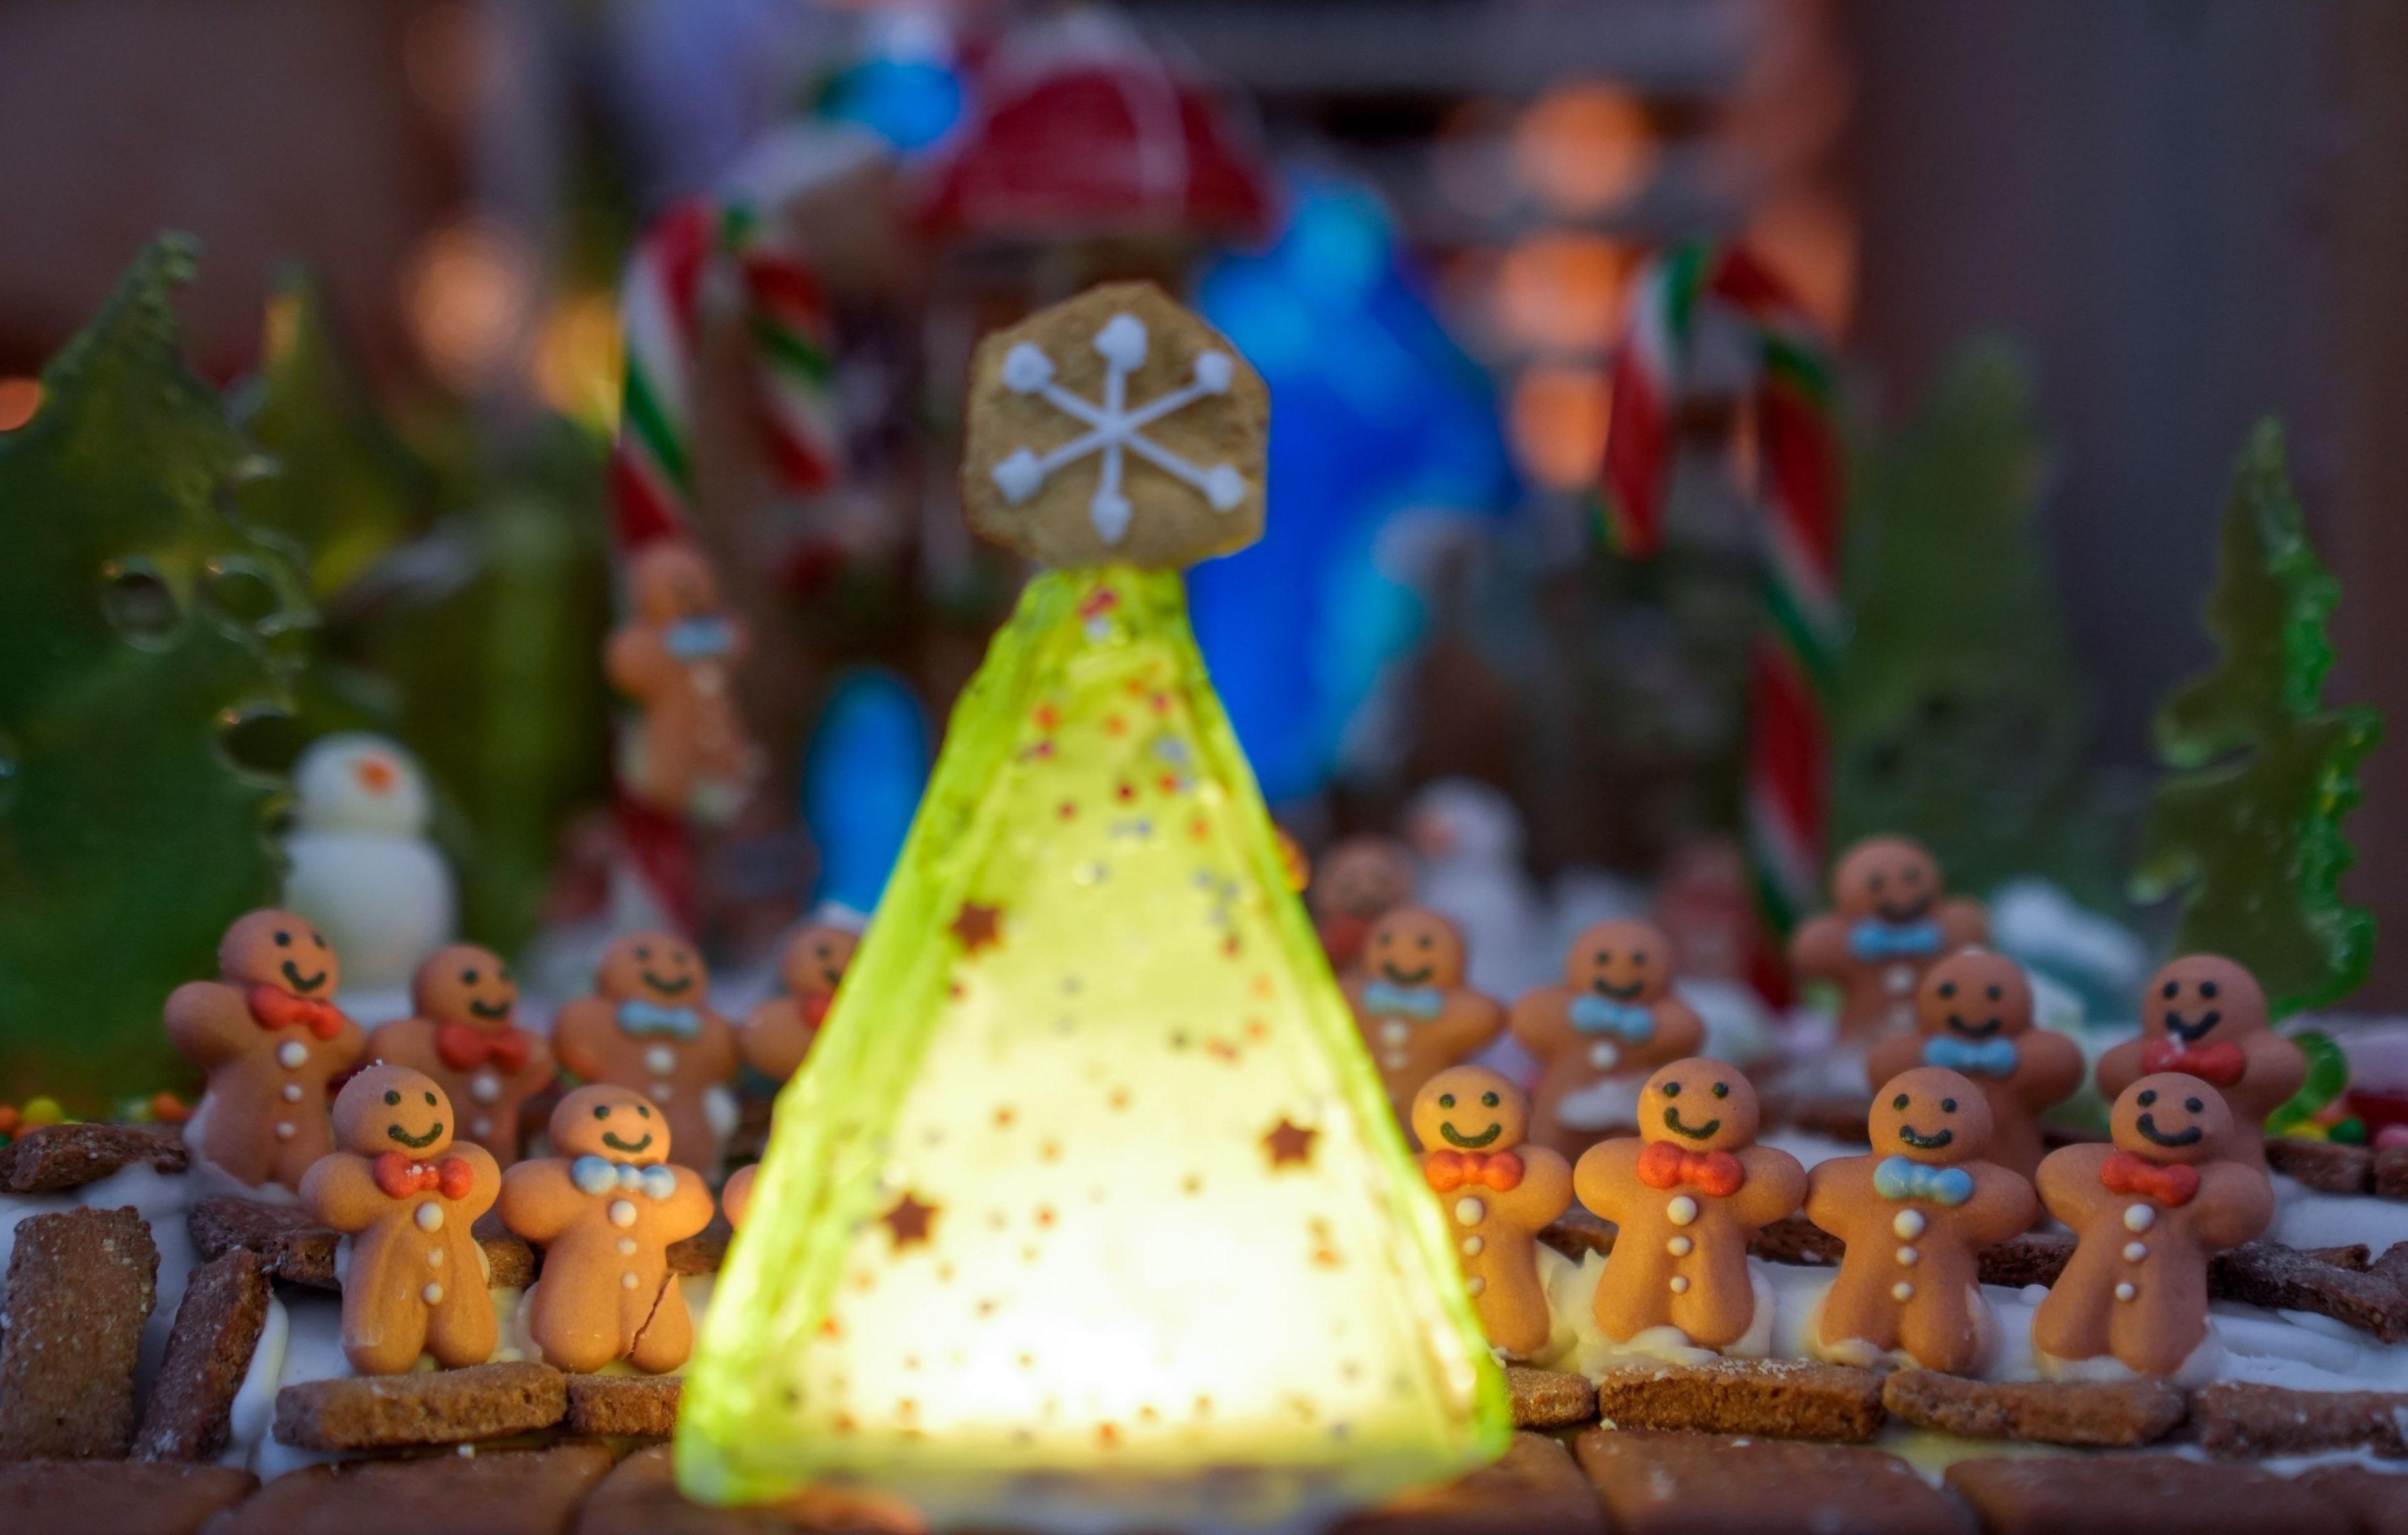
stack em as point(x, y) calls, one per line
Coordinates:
point(1699, 1105)
point(1415, 946)
point(1470, 1107)
point(814, 960)
point(1362, 877)
point(2202, 999)
point(610, 1123)
point(1974, 993)
point(668, 580)
point(654, 966)
point(1889, 878)
point(392, 1109)
point(2172, 1117)
point(1930, 1114)
point(461, 984)
point(1624, 961)
point(273, 948)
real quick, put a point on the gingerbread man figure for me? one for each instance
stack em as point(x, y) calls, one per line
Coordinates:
point(1914, 1214)
point(1614, 1020)
point(1893, 922)
point(1417, 1016)
point(1362, 880)
point(780, 1032)
point(2205, 1015)
point(465, 1034)
point(407, 1195)
point(2146, 1213)
point(1499, 1195)
point(605, 1212)
point(269, 1039)
point(674, 658)
point(1686, 1195)
point(650, 1030)
point(1973, 1014)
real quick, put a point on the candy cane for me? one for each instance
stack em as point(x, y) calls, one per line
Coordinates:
point(1787, 793)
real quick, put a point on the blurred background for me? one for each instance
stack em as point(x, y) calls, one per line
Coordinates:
point(2067, 252)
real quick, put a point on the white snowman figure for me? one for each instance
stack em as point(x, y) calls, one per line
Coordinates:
point(364, 870)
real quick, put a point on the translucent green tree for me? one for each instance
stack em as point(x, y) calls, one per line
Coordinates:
point(2246, 829)
point(144, 625)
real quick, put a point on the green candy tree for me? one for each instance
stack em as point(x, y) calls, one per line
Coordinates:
point(2246, 829)
point(146, 627)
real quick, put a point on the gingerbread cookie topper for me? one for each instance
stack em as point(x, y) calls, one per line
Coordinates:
point(649, 1028)
point(605, 1210)
point(2146, 1212)
point(1416, 1014)
point(1598, 1034)
point(1685, 1195)
point(675, 659)
point(1973, 1014)
point(2204, 1015)
point(269, 1038)
point(407, 1195)
point(1360, 880)
point(465, 1034)
point(1498, 1193)
point(1892, 921)
point(1914, 1215)
point(780, 1032)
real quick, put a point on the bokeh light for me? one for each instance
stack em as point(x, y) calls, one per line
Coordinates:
point(1557, 423)
point(18, 399)
point(1584, 149)
point(467, 288)
point(1560, 293)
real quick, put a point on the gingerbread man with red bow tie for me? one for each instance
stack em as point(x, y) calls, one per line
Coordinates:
point(466, 1036)
point(1684, 1196)
point(2146, 1212)
point(2206, 1016)
point(778, 1034)
point(407, 1195)
point(1499, 1195)
point(268, 1041)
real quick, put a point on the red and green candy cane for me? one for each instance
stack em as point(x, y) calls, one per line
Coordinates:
point(1679, 293)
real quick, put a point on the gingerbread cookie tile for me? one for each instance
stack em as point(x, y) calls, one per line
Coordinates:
point(674, 658)
point(649, 1028)
point(1891, 921)
point(1973, 1014)
point(1914, 1215)
point(1499, 1194)
point(1417, 1016)
point(408, 1194)
point(2206, 1016)
point(1686, 1194)
point(2146, 1212)
point(605, 1210)
point(268, 1040)
point(1599, 1034)
point(465, 1034)
point(778, 1034)
point(1357, 882)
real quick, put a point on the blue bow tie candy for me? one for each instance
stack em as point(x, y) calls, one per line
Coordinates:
point(1874, 940)
point(600, 1175)
point(1626, 1020)
point(1423, 1002)
point(640, 1017)
point(1897, 1178)
point(1974, 1057)
point(703, 638)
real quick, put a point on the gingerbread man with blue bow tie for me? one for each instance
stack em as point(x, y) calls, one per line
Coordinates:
point(1598, 1036)
point(675, 658)
point(1973, 1015)
point(1417, 1016)
point(1892, 922)
point(605, 1212)
point(649, 1028)
point(1915, 1214)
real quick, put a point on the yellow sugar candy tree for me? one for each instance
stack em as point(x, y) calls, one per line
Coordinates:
point(1087, 1208)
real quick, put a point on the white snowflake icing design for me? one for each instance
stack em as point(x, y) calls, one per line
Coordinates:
point(1114, 427)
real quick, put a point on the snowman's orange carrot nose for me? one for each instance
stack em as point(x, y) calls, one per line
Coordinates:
point(376, 775)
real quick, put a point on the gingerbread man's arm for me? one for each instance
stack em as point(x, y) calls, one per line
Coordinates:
point(2049, 1068)
point(2068, 1182)
point(1819, 952)
point(537, 1201)
point(1835, 1188)
point(2002, 1205)
point(716, 1046)
point(485, 1186)
point(2235, 1202)
point(2120, 1067)
point(771, 1039)
point(576, 1037)
point(1680, 1033)
point(405, 1042)
point(342, 1191)
point(539, 1071)
point(1963, 922)
point(1890, 1055)
point(637, 663)
point(1541, 1021)
point(209, 1021)
point(2277, 1068)
point(688, 1208)
point(1545, 1193)
point(1607, 1176)
point(1775, 1186)
point(1469, 1022)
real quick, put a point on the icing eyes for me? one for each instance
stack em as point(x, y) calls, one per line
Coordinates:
point(644, 951)
point(1948, 988)
point(1447, 1100)
point(2193, 1104)
point(2149, 1098)
point(1899, 1102)
point(2207, 988)
point(1948, 1106)
point(1639, 957)
point(1996, 992)
point(644, 1110)
point(392, 1099)
point(1876, 881)
point(318, 939)
point(2174, 989)
point(1424, 940)
point(1722, 1089)
point(430, 1100)
point(467, 978)
point(601, 1111)
point(284, 940)
point(1488, 1100)
point(1671, 1089)
point(1604, 957)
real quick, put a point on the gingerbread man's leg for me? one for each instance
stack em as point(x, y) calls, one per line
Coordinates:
point(577, 1332)
point(461, 1327)
point(1945, 1332)
point(667, 1338)
point(2072, 1324)
point(381, 1338)
point(670, 759)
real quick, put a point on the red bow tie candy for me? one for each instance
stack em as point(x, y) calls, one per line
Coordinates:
point(2171, 1185)
point(273, 1007)
point(815, 1008)
point(1448, 1171)
point(2221, 1064)
point(1664, 1165)
point(400, 1177)
point(465, 1049)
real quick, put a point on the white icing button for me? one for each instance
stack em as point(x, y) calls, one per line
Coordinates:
point(661, 1091)
point(481, 1126)
point(1901, 1291)
point(626, 1247)
point(2125, 1292)
point(622, 1213)
point(293, 1055)
point(484, 1087)
point(2135, 1250)
point(1679, 1284)
point(1909, 1224)
point(1396, 1060)
point(628, 1281)
point(1471, 1246)
point(430, 1217)
point(1899, 979)
point(434, 1257)
point(2140, 1217)
point(1604, 1057)
point(1471, 1287)
point(1682, 1210)
point(1906, 1257)
point(660, 1060)
point(1468, 1211)
point(1679, 1246)
point(1394, 1031)
point(291, 1092)
point(432, 1295)
point(285, 1132)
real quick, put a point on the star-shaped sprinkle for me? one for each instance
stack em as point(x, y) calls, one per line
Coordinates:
point(978, 926)
point(1289, 1141)
point(910, 1221)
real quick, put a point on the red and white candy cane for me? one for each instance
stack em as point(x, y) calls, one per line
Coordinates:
point(1800, 490)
